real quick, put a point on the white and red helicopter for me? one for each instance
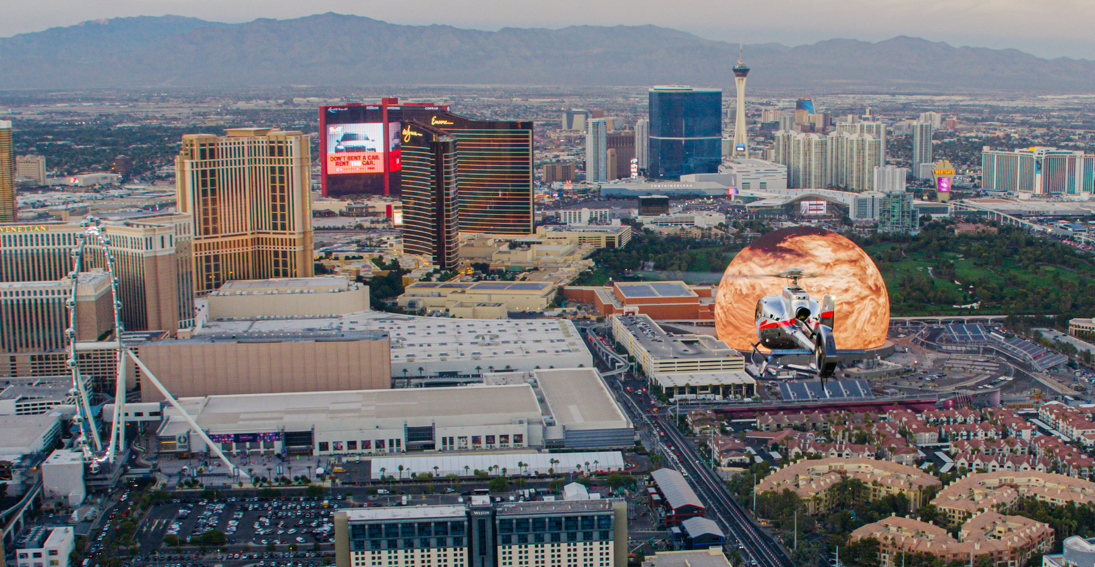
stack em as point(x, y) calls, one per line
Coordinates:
point(793, 323)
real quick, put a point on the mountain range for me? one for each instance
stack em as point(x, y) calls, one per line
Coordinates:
point(343, 50)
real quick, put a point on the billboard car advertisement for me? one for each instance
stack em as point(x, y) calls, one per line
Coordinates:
point(355, 148)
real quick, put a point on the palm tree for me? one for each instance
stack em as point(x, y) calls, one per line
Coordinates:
point(595, 465)
point(382, 471)
point(435, 470)
point(479, 370)
point(421, 371)
point(400, 472)
point(521, 465)
point(552, 462)
point(466, 469)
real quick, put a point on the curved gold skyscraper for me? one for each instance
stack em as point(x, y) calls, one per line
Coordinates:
point(741, 139)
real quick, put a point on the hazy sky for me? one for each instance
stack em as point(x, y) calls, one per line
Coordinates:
point(1048, 28)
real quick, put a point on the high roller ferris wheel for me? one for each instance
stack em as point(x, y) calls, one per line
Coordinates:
point(88, 441)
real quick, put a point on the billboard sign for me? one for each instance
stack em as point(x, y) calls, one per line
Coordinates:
point(355, 148)
point(943, 184)
point(740, 148)
point(812, 208)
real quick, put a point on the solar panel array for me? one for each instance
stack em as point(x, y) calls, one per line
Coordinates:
point(833, 390)
point(1037, 356)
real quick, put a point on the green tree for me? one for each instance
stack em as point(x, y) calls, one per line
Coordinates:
point(499, 484)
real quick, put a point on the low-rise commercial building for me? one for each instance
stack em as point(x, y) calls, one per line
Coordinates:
point(598, 236)
point(34, 396)
point(812, 480)
point(587, 533)
point(710, 557)
point(431, 348)
point(707, 385)
point(658, 352)
point(566, 409)
point(288, 297)
point(63, 477)
point(668, 300)
point(1006, 541)
point(47, 547)
point(515, 296)
point(677, 499)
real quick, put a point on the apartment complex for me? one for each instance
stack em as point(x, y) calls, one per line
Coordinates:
point(7, 173)
point(566, 533)
point(813, 480)
point(922, 146)
point(896, 213)
point(844, 158)
point(431, 213)
point(152, 261)
point(1006, 541)
point(248, 195)
point(597, 151)
point(999, 490)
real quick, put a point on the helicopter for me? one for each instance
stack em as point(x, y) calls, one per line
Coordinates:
point(793, 323)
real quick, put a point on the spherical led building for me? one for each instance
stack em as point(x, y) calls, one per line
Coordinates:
point(834, 265)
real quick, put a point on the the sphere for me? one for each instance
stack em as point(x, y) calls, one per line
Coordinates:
point(833, 264)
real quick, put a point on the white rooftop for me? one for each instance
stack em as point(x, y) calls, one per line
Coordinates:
point(405, 513)
point(704, 378)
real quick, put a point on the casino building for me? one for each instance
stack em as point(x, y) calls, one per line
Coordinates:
point(152, 260)
point(430, 212)
point(248, 193)
point(494, 168)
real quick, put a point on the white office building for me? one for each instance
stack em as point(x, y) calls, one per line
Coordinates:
point(597, 151)
point(47, 547)
point(584, 217)
point(751, 174)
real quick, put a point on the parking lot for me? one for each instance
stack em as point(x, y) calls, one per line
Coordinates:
point(300, 523)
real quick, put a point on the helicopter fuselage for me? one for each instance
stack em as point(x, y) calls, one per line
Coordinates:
point(788, 320)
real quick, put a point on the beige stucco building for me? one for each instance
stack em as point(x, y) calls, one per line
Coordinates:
point(513, 296)
point(207, 365)
point(288, 297)
point(812, 480)
point(1007, 541)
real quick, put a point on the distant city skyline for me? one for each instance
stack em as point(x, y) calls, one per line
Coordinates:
point(1036, 28)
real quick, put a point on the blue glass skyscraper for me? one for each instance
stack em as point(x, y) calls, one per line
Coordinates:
point(685, 131)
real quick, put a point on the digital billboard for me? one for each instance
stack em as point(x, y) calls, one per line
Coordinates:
point(812, 208)
point(943, 184)
point(395, 162)
point(355, 148)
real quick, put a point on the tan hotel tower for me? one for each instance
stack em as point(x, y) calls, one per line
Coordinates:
point(248, 193)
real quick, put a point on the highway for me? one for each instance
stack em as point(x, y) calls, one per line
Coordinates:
point(758, 548)
point(759, 545)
